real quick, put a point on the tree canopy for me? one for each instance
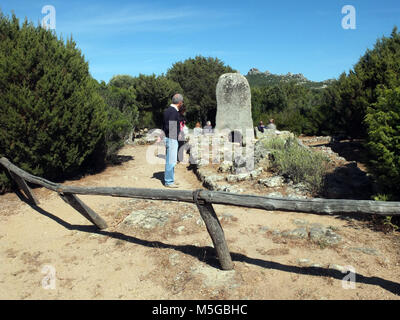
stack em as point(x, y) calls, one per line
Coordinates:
point(53, 121)
point(198, 79)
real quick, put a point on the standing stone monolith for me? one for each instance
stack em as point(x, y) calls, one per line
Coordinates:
point(234, 107)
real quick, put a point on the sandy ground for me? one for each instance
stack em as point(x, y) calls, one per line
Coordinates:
point(52, 252)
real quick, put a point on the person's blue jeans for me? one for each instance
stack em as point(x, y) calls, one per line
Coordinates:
point(171, 155)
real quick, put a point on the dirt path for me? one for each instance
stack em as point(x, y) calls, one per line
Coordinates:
point(176, 260)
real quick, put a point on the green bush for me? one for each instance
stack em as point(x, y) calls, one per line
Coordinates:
point(53, 121)
point(274, 143)
point(298, 163)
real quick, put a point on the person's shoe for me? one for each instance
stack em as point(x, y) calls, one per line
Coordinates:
point(172, 185)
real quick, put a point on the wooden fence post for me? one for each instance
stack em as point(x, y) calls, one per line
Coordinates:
point(83, 209)
point(25, 188)
point(215, 231)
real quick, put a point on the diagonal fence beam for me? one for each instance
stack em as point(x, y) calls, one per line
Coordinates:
point(83, 209)
point(215, 231)
point(25, 188)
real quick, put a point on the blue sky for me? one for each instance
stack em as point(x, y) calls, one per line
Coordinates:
point(133, 37)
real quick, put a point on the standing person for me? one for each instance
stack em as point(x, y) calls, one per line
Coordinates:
point(261, 126)
point(197, 129)
point(208, 128)
point(171, 129)
point(182, 133)
point(271, 124)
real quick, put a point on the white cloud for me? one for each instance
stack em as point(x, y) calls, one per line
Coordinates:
point(142, 19)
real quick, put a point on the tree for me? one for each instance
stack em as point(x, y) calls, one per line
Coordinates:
point(122, 112)
point(152, 94)
point(198, 78)
point(53, 121)
point(358, 90)
point(383, 124)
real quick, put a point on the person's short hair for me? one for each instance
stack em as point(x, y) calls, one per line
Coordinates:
point(209, 123)
point(177, 98)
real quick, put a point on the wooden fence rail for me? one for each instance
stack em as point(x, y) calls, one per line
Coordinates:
point(204, 199)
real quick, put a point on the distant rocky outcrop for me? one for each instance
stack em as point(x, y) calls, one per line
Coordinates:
point(255, 71)
point(259, 78)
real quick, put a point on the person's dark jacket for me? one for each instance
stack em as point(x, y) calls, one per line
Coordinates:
point(171, 125)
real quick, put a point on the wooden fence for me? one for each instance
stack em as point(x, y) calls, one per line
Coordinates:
point(204, 199)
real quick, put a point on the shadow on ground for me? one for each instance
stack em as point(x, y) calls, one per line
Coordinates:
point(159, 176)
point(348, 182)
point(351, 150)
point(117, 160)
point(207, 255)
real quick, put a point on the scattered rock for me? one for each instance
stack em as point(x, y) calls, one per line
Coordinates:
point(210, 182)
point(314, 231)
point(300, 222)
point(295, 196)
point(202, 162)
point(337, 267)
point(264, 229)
point(300, 187)
point(200, 222)
point(321, 234)
point(319, 139)
point(370, 251)
point(225, 166)
point(229, 188)
point(147, 219)
point(276, 194)
point(173, 259)
point(180, 229)
point(238, 177)
point(243, 164)
point(276, 252)
point(255, 173)
point(276, 232)
point(316, 265)
point(299, 233)
point(264, 163)
point(187, 216)
point(304, 262)
point(272, 182)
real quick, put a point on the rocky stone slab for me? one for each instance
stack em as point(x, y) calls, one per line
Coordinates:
point(234, 105)
point(147, 219)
